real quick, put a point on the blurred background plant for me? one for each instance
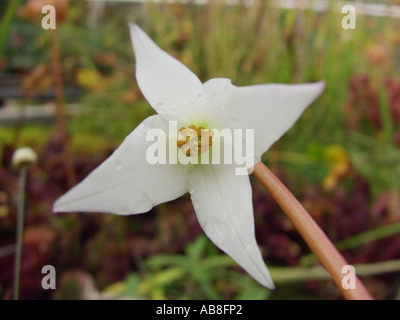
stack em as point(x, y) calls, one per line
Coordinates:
point(341, 159)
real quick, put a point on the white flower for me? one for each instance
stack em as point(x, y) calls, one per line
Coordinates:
point(127, 184)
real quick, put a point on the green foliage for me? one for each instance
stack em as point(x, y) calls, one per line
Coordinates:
point(190, 275)
point(194, 276)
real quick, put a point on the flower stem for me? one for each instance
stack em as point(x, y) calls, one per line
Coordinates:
point(316, 239)
point(20, 229)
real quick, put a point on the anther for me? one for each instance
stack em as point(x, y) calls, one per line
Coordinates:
point(195, 140)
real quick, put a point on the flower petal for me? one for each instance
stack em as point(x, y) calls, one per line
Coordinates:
point(126, 183)
point(223, 205)
point(165, 82)
point(269, 109)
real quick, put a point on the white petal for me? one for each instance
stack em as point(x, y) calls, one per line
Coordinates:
point(126, 183)
point(269, 109)
point(223, 205)
point(166, 83)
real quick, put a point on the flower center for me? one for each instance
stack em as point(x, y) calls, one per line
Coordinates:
point(193, 141)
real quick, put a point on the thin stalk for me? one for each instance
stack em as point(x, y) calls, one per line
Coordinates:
point(20, 229)
point(316, 239)
point(60, 107)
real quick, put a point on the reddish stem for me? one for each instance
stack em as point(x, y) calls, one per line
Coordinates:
point(316, 239)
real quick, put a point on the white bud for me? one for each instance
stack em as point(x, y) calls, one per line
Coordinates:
point(24, 156)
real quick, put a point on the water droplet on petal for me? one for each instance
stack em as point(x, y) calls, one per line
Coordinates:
point(199, 97)
point(218, 231)
point(161, 106)
point(250, 249)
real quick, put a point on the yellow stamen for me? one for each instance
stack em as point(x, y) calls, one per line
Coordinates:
point(193, 141)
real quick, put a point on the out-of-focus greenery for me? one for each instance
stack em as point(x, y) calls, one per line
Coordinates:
point(337, 138)
point(191, 276)
point(249, 45)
